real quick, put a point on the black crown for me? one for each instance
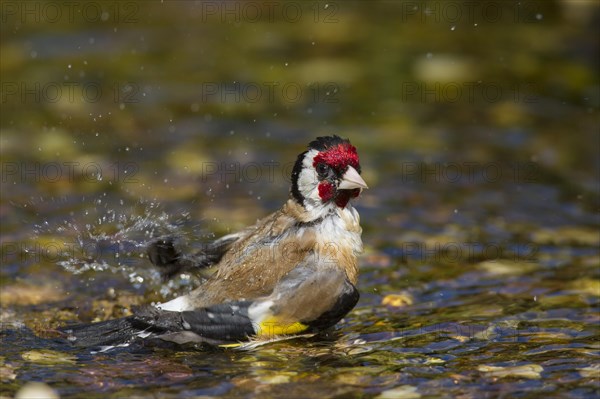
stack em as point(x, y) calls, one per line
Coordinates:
point(325, 142)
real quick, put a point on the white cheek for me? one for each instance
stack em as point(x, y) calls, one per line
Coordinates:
point(308, 179)
point(307, 184)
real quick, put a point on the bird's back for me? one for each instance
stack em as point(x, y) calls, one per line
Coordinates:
point(273, 247)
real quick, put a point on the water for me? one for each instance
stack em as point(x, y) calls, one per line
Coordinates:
point(478, 138)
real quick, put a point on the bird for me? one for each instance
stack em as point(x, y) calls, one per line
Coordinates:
point(293, 272)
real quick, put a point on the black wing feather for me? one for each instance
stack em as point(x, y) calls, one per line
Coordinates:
point(163, 254)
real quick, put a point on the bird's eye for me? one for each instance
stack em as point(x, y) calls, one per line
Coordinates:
point(322, 169)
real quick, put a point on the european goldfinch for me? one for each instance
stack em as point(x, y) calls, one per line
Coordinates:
point(295, 271)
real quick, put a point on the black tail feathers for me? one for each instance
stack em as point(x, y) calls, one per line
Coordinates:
point(105, 333)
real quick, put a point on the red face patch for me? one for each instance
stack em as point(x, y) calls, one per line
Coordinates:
point(326, 191)
point(338, 157)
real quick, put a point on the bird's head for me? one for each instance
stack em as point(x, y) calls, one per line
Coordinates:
point(327, 175)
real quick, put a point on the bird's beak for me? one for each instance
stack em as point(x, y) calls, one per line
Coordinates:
point(351, 180)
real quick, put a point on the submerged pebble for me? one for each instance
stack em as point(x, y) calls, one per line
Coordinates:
point(531, 371)
point(507, 267)
point(22, 294)
point(401, 392)
point(36, 390)
point(48, 357)
point(7, 371)
point(398, 300)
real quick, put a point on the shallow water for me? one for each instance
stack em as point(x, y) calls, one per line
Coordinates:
point(478, 135)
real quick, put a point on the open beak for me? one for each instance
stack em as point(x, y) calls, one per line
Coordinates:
point(351, 180)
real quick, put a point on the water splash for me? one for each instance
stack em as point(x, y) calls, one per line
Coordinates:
point(102, 239)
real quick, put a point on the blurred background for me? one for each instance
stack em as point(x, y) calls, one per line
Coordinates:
point(477, 124)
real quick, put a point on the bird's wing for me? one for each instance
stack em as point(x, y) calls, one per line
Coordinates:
point(305, 300)
point(163, 254)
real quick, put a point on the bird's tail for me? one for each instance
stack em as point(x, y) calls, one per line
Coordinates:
point(105, 334)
